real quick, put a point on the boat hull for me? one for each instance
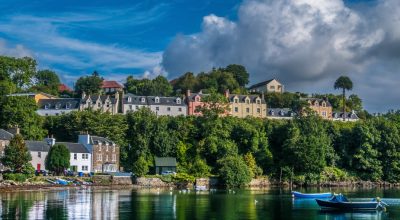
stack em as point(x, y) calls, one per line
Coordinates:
point(326, 204)
point(311, 195)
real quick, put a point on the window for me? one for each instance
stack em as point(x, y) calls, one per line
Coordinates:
point(47, 114)
point(137, 107)
point(99, 157)
point(107, 147)
point(47, 106)
point(68, 106)
point(130, 107)
point(178, 101)
point(168, 108)
point(236, 100)
point(113, 148)
point(323, 104)
point(85, 156)
point(129, 99)
point(236, 109)
point(99, 104)
point(272, 87)
point(247, 101)
point(197, 99)
point(324, 114)
point(258, 110)
point(39, 154)
point(57, 113)
point(258, 101)
point(316, 103)
point(248, 110)
point(85, 168)
point(157, 100)
point(114, 157)
point(75, 156)
point(57, 106)
point(100, 147)
point(179, 109)
point(157, 108)
point(142, 99)
point(106, 158)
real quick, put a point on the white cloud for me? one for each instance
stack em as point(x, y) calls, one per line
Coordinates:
point(16, 51)
point(304, 43)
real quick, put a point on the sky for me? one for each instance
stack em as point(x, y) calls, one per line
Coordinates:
point(305, 44)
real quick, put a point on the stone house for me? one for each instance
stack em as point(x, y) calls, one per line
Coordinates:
point(321, 107)
point(111, 87)
point(246, 105)
point(103, 103)
point(194, 102)
point(51, 107)
point(172, 106)
point(272, 85)
point(105, 153)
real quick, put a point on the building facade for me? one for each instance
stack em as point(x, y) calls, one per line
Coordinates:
point(246, 105)
point(272, 85)
point(280, 113)
point(172, 106)
point(111, 87)
point(105, 153)
point(321, 107)
point(194, 102)
point(51, 107)
point(103, 103)
point(80, 158)
point(38, 151)
point(349, 116)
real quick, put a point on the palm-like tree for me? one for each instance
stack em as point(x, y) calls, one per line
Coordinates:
point(344, 83)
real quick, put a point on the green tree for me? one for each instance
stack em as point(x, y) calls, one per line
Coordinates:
point(7, 87)
point(234, 171)
point(58, 159)
point(141, 166)
point(252, 165)
point(161, 86)
point(214, 105)
point(239, 73)
point(18, 70)
point(89, 84)
point(187, 81)
point(344, 83)
point(46, 81)
point(16, 155)
point(21, 111)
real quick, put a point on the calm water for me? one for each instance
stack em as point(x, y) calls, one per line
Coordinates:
point(153, 204)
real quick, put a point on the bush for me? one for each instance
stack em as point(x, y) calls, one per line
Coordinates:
point(234, 172)
point(19, 177)
point(335, 174)
point(183, 178)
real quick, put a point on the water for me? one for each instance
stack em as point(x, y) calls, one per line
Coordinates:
point(156, 204)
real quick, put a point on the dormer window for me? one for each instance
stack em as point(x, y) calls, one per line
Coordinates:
point(178, 101)
point(129, 99)
point(68, 106)
point(197, 99)
point(142, 99)
point(157, 100)
point(258, 101)
point(47, 106)
point(323, 104)
point(58, 105)
point(236, 100)
point(316, 103)
point(271, 112)
point(247, 101)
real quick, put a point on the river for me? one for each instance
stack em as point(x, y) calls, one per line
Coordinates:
point(165, 204)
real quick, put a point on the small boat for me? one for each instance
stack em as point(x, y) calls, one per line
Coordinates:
point(311, 195)
point(342, 203)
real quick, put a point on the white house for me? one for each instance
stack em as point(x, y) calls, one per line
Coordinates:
point(49, 107)
point(39, 151)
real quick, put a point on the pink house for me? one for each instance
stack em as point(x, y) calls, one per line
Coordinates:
point(194, 102)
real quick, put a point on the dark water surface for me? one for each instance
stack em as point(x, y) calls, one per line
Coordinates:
point(158, 204)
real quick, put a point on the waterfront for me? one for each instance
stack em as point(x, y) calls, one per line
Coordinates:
point(166, 204)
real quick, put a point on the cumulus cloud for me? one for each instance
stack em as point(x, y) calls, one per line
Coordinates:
point(306, 44)
point(15, 51)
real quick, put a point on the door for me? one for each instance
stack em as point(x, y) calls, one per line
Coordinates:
point(38, 166)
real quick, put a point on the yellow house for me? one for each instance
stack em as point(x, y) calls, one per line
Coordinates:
point(246, 105)
point(272, 85)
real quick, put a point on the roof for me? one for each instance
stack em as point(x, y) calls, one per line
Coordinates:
point(75, 147)
point(111, 84)
point(262, 83)
point(319, 100)
point(5, 135)
point(242, 98)
point(103, 98)
point(348, 115)
point(165, 161)
point(60, 103)
point(193, 95)
point(96, 140)
point(280, 112)
point(32, 94)
point(37, 146)
point(63, 87)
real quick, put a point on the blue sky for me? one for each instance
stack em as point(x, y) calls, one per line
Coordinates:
point(306, 44)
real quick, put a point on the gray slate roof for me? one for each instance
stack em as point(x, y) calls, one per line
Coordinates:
point(242, 98)
point(193, 95)
point(37, 146)
point(74, 147)
point(103, 98)
point(60, 103)
point(151, 100)
point(349, 115)
point(96, 140)
point(280, 112)
point(313, 100)
point(261, 83)
point(5, 135)
point(165, 161)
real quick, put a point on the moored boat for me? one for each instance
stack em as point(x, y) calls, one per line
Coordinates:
point(311, 195)
point(342, 203)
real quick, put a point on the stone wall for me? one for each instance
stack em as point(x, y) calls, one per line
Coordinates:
point(122, 180)
point(151, 182)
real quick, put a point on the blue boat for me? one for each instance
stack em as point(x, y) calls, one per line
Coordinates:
point(340, 202)
point(311, 195)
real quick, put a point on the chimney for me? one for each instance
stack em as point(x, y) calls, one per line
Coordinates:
point(226, 93)
point(262, 96)
point(188, 93)
point(14, 130)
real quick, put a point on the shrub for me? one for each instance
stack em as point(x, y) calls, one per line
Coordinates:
point(335, 174)
point(234, 172)
point(19, 177)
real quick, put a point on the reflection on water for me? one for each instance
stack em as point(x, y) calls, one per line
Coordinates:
point(156, 204)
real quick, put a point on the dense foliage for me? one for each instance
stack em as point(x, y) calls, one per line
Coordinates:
point(58, 159)
point(158, 86)
point(89, 84)
point(16, 155)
